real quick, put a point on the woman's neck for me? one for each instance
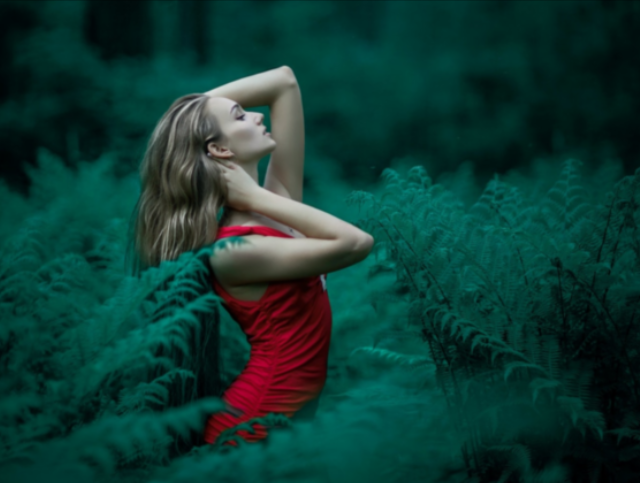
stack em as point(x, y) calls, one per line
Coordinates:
point(234, 218)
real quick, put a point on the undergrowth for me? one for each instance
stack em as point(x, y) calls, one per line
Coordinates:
point(490, 343)
point(528, 309)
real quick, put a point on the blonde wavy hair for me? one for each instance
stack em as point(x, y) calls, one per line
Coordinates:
point(182, 189)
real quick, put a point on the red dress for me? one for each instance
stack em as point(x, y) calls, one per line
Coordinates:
point(289, 330)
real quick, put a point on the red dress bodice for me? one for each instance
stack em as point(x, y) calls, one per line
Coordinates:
point(289, 330)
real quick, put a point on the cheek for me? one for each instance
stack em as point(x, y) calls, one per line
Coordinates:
point(245, 134)
point(251, 138)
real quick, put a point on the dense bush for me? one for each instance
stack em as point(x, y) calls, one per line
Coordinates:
point(490, 336)
point(490, 342)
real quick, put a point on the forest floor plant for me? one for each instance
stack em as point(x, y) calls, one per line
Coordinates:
point(495, 343)
point(528, 307)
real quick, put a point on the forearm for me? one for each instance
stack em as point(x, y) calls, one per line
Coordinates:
point(309, 221)
point(258, 89)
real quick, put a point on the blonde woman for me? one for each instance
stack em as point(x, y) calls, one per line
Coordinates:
point(202, 157)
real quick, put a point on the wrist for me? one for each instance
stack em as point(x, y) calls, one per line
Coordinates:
point(258, 198)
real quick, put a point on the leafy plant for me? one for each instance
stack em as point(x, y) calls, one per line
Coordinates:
point(527, 307)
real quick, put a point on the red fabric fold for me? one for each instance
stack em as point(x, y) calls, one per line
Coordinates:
point(289, 330)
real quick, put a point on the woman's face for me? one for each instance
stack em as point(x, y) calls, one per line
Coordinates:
point(247, 140)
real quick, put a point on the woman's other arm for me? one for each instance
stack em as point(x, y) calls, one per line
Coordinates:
point(331, 244)
point(278, 89)
point(258, 89)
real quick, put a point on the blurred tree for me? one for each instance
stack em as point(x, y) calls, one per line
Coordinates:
point(16, 18)
point(192, 28)
point(495, 82)
point(119, 28)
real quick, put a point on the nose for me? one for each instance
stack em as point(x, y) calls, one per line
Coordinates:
point(260, 118)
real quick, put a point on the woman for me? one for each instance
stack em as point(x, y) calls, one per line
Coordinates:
point(202, 156)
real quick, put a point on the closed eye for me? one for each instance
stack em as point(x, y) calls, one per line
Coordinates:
point(242, 117)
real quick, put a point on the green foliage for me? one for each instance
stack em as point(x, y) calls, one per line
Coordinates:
point(497, 339)
point(528, 306)
point(492, 334)
point(452, 81)
point(83, 345)
point(94, 360)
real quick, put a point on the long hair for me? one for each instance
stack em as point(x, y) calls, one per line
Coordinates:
point(182, 189)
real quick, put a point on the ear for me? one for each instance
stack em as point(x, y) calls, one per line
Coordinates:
point(218, 151)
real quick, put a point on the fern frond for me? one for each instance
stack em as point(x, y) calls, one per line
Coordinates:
point(510, 366)
point(392, 357)
point(540, 383)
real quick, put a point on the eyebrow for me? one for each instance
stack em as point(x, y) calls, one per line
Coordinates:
point(234, 107)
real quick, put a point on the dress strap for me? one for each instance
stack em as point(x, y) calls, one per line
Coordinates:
point(239, 230)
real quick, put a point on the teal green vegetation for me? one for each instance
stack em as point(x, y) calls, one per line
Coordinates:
point(488, 340)
point(488, 147)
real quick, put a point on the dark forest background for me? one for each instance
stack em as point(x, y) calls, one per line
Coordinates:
point(497, 83)
point(490, 147)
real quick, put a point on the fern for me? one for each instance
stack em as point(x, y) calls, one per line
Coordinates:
point(503, 289)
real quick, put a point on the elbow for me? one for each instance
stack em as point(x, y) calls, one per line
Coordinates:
point(290, 75)
point(364, 246)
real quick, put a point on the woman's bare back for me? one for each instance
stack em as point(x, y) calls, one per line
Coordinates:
point(254, 291)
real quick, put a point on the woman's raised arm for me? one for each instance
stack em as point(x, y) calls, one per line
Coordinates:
point(258, 89)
